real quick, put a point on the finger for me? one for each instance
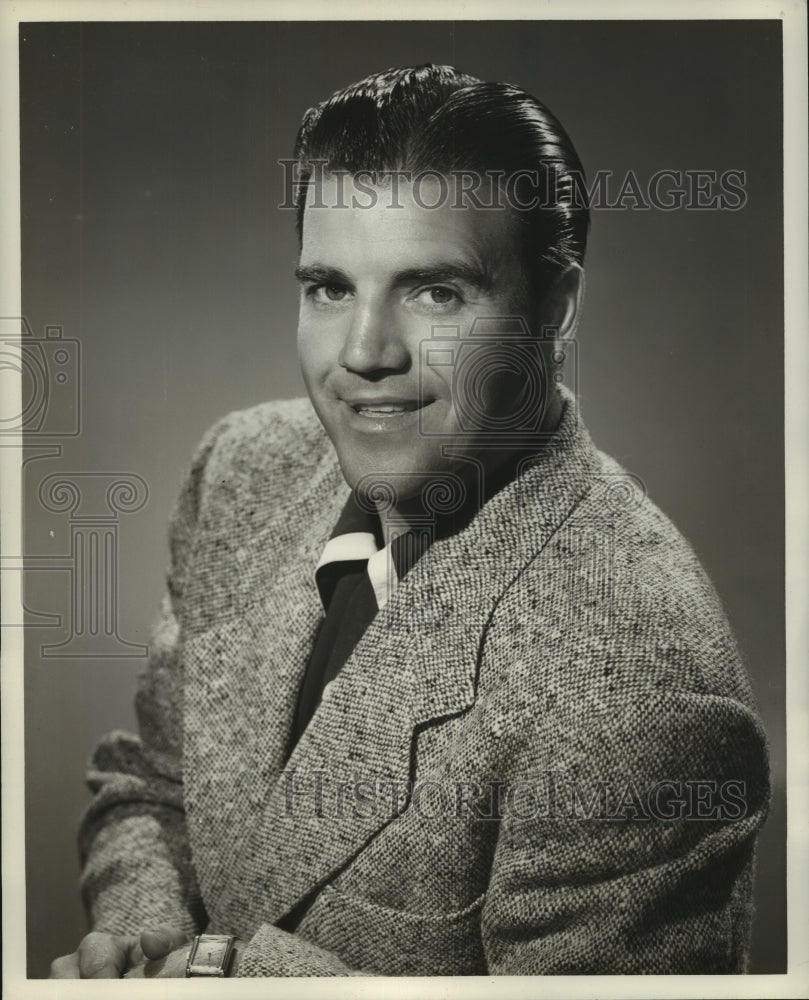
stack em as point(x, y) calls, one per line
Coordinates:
point(171, 967)
point(65, 967)
point(103, 956)
point(157, 942)
point(134, 954)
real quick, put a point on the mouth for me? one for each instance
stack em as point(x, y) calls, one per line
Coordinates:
point(377, 409)
point(376, 415)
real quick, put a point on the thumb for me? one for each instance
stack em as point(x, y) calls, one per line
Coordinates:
point(157, 942)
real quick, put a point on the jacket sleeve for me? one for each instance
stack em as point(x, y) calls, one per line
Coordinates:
point(275, 952)
point(628, 848)
point(136, 862)
point(625, 845)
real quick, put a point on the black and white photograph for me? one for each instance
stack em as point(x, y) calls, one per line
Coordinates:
point(398, 431)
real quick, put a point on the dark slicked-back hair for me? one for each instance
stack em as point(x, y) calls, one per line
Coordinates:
point(434, 118)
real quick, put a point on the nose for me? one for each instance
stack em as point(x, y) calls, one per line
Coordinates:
point(374, 343)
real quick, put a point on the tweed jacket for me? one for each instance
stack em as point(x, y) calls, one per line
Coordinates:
point(542, 757)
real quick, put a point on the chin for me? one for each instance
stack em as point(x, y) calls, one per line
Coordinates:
point(394, 476)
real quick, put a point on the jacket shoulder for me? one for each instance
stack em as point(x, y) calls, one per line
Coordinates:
point(273, 441)
point(254, 456)
point(618, 603)
point(280, 426)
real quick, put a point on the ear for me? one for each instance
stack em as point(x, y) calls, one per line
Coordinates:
point(561, 303)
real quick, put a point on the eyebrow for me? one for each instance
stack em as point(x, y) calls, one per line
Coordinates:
point(320, 274)
point(468, 274)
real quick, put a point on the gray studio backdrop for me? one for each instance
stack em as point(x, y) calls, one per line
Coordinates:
point(153, 248)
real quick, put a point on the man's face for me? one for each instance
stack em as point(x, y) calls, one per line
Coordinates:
point(375, 281)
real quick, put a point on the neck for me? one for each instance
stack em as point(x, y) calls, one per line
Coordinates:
point(499, 468)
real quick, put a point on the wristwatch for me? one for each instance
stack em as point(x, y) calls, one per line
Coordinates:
point(210, 955)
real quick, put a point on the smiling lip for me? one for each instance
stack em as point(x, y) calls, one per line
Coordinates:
point(374, 416)
point(383, 408)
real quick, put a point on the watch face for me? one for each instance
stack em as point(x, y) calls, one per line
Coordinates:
point(210, 954)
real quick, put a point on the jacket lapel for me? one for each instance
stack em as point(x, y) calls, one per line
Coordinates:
point(417, 661)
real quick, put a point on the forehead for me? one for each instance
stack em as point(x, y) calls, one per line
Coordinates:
point(411, 222)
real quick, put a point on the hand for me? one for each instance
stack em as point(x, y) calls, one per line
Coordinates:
point(165, 960)
point(165, 952)
point(99, 956)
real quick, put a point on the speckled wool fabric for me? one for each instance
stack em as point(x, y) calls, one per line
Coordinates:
point(541, 757)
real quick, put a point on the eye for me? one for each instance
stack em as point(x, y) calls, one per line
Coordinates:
point(438, 295)
point(324, 294)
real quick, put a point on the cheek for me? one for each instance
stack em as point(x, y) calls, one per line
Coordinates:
point(486, 383)
point(438, 380)
point(317, 353)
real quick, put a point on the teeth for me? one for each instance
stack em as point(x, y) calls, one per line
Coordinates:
point(387, 408)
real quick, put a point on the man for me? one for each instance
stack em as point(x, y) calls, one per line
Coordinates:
point(437, 690)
